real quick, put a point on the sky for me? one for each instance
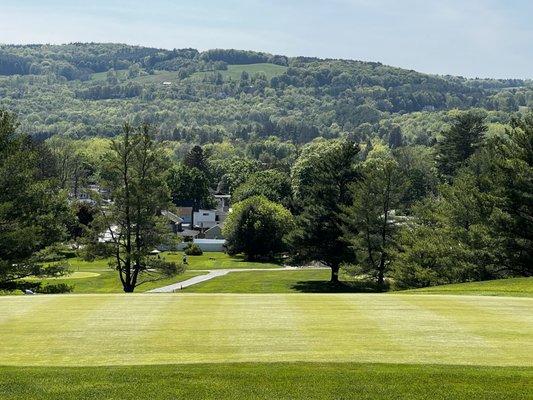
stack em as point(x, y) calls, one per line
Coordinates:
point(472, 38)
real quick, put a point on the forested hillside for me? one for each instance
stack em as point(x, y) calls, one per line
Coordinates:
point(393, 175)
point(86, 90)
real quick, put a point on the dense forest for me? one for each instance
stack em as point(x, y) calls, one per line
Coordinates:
point(406, 178)
point(86, 90)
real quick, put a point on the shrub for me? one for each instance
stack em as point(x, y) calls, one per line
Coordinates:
point(56, 288)
point(193, 250)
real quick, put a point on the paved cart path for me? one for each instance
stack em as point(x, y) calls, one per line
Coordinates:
point(213, 274)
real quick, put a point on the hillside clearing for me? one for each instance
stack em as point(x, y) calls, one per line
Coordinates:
point(234, 71)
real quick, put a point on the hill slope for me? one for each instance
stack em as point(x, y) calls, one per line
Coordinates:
point(90, 89)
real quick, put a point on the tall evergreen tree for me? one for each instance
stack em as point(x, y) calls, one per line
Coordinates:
point(196, 159)
point(321, 178)
point(516, 167)
point(34, 213)
point(371, 221)
point(459, 142)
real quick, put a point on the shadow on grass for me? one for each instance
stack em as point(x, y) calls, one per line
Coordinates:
point(360, 286)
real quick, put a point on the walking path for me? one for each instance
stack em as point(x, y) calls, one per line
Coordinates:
point(213, 273)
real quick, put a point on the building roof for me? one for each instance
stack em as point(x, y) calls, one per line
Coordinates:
point(188, 233)
point(171, 216)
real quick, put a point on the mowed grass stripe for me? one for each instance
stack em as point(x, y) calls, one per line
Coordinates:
point(339, 328)
point(505, 328)
point(85, 330)
point(305, 381)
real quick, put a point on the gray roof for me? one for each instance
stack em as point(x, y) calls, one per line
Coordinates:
point(171, 216)
point(188, 232)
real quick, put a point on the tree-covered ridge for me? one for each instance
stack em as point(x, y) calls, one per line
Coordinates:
point(52, 88)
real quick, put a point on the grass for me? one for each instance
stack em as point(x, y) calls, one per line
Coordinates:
point(304, 280)
point(234, 71)
point(142, 329)
point(268, 381)
point(217, 260)
point(97, 277)
point(109, 282)
point(102, 76)
point(517, 287)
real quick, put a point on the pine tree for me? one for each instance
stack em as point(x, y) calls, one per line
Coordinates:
point(459, 142)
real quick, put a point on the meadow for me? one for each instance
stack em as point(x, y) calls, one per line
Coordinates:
point(233, 72)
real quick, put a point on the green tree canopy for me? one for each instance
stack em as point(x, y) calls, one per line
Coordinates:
point(134, 175)
point(195, 158)
point(189, 185)
point(460, 141)
point(320, 180)
point(272, 184)
point(372, 220)
point(34, 213)
point(257, 227)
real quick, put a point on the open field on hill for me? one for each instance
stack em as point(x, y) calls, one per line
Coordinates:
point(90, 330)
point(234, 72)
point(518, 287)
point(268, 381)
point(102, 76)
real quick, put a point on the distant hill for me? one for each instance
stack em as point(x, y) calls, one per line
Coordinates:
point(90, 89)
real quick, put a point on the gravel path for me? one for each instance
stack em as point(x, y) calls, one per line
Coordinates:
point(210, 275)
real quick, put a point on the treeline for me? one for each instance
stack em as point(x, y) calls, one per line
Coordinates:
point(408, 216)
point(233, 56)
point(395, 214)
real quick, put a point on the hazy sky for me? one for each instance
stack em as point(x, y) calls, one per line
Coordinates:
point(485, 38)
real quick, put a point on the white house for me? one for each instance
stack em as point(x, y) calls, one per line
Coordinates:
point(204, 219)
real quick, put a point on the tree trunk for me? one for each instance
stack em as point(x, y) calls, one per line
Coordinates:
point(334, 274)
point(129, 288)
point(381, 274)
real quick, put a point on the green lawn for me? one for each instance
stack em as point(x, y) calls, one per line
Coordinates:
point(519, 287)
point(111, 329)
point(108, 282)
point(291, 281)
point(102, 279)
point(268, 381)
point(263, 282)
point(216, 260)
point(97, 277)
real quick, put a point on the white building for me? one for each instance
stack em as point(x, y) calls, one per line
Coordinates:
point(204, 219)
